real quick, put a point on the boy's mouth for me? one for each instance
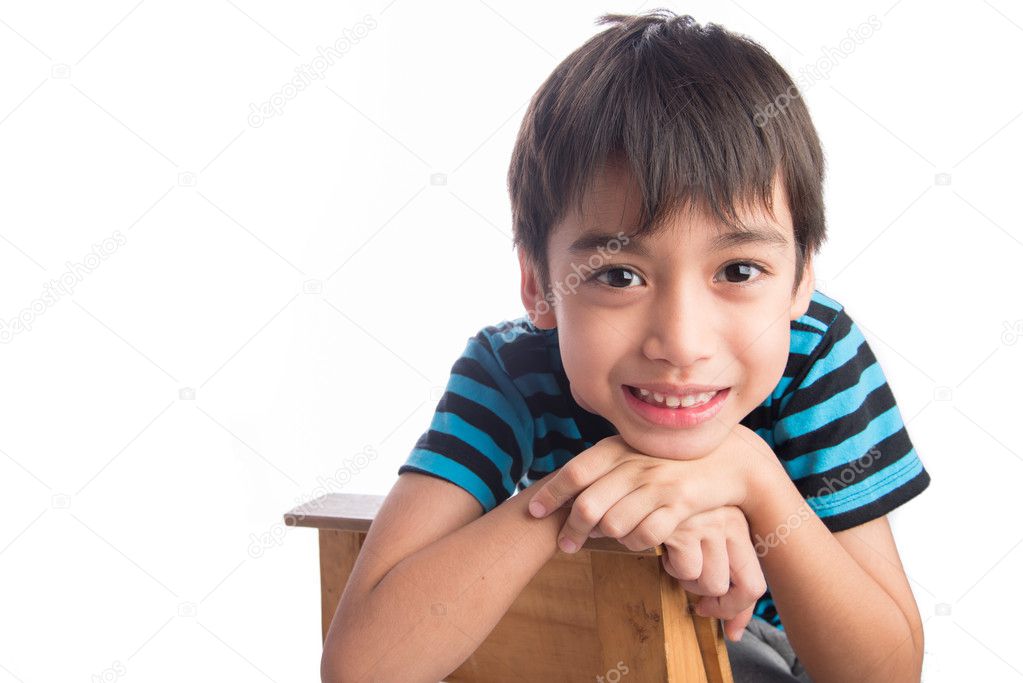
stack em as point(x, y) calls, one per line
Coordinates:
point(691, 411)
point(663, 401)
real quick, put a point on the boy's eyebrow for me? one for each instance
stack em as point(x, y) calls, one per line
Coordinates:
point(756, 234)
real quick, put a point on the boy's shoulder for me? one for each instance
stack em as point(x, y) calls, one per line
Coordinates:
point(519, 346)
point(821, 314)
point(811, 337)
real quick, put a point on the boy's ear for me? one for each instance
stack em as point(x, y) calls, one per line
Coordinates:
point(801, 299)
point(540, 311)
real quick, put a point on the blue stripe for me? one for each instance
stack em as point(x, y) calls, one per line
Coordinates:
point(453, 424)
point(834, 408)
point(873, 487)
point(524, 429)
point(844, 349)
point(783, 384)
point(823, 459)
point(552, 423)
point(801, 341)
point(553, 460)
point(504, 332)
point(453, 472)
point(473, 391)
point(825, 300)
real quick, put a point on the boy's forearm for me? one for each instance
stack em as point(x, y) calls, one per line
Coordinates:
point(840, 621)
point(435, 608)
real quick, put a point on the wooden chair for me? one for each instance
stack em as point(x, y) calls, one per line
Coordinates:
point(616, 613)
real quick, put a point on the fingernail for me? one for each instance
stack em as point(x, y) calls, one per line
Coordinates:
point(594, 534)
point(537, 509)
point(567, 545)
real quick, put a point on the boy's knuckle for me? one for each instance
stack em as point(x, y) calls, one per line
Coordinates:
point(573, 476)
point(653, 539)
point(645, 538)
point(588, 513)
point(690, 574)
point(715, 587)
point(737, 524)
point(611, 529)
point(632, 544)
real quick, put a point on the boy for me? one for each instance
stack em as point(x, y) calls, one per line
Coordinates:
point(676, 369)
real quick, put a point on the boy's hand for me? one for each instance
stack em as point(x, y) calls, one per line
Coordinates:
point(640, 499)
point(711, 555)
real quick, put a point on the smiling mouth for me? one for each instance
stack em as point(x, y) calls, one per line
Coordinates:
point(672, 402)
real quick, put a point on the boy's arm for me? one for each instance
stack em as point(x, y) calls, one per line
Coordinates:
point(420, 617)
point(847, 607)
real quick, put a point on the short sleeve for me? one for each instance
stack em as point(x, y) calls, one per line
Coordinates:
point(840, 435)
point(480, 437)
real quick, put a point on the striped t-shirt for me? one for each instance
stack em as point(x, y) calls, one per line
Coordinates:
point(507, 418)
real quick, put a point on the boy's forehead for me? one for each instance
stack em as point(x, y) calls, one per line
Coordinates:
point(612, 206)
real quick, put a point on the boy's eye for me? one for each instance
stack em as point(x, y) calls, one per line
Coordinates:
point(739, 273)
point(742, 270)
point(622, 276)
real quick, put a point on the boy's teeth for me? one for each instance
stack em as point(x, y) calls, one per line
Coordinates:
point(675, 401)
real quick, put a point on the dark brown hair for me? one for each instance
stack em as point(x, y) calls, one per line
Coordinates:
point(703, 117)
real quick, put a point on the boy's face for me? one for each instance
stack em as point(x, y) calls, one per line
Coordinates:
point(685, 310)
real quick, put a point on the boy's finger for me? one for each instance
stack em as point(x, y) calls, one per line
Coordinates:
point(746, 575)
point(714, 579)
point(550, 497)
point(560, 491)
point(687, 560)
point(592, 505)
point(735, 626)
point(746, 584)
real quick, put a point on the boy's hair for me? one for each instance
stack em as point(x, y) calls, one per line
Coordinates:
point(702, 116)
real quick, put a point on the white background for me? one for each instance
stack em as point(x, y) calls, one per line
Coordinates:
point(141, 534)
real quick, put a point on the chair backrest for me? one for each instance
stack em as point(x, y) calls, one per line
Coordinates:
point(600, 614)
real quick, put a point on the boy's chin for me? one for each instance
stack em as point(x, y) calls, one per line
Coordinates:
point(680, 445)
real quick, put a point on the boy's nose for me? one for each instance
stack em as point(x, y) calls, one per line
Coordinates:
point(682, 330)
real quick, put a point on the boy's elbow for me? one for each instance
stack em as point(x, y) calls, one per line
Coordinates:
point(328, 672)
point(332, 669)
point(335, 664)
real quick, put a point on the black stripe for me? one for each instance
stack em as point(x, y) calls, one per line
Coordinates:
point(822, 313)
point(838, 330)
point(803, 327)
point(487, 421)
point(835, 432)
point(879, 507)
point(542, 402)
point(471, 368)
point(554, 440)
point(758, 418)
point(860, 466)
point(524, 355)
point(459, 451)
point(796, 362)
point(837, 380)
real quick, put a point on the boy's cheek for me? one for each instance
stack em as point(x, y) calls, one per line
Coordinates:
point(580, 400)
